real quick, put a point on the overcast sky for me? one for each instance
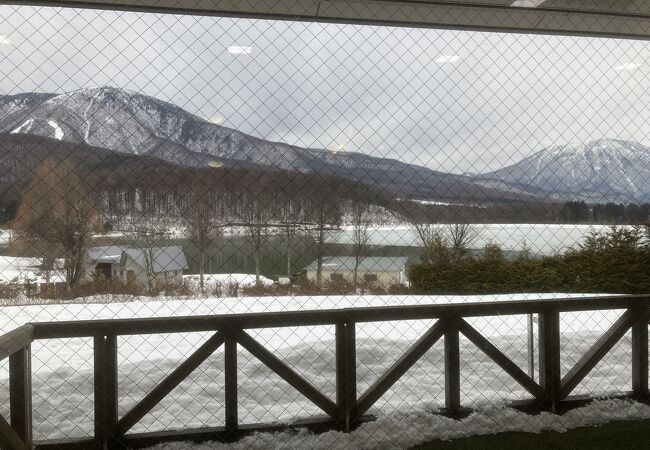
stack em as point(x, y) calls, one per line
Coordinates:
point(451, 100)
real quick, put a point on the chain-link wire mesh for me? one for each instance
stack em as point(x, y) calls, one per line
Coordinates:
point(336, 235)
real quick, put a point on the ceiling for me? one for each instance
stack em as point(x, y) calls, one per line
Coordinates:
point(612, 18)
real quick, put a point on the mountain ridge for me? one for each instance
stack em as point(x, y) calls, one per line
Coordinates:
point(598, 171)
point(129, 122)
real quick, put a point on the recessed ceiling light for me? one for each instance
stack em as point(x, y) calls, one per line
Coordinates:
point(527, 3)
point(5, 40)
point(217, 120)
point(447, 59)
point(239, 50)
point(628, 66)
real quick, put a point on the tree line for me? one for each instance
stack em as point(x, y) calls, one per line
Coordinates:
point(65, 205)
point(605, 213)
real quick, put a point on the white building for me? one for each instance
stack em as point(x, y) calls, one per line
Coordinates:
point(139, 265)
point(103, 263)
point(384, 270)
point(161, 264)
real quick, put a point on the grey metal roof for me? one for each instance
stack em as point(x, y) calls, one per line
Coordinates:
point(105, 253)
point(614, 18)
point(374, 264)
point(165, 259)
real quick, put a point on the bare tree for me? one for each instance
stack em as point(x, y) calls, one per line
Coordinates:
point(441, 243)
point(325, 213)
point(461, 238)
point(48, 262)
point(360, 218)
point(203, 222)
point(58, 209)
point(147, 232)
point(293, 216)
point(253, 211)
point(433, 242)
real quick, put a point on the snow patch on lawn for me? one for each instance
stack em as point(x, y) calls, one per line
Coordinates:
point(18, 268)
point(402, 431)
point(215, 280)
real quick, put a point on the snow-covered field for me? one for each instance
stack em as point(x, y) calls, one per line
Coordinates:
point(18, 269)
point(5, 236)
point(63, 368)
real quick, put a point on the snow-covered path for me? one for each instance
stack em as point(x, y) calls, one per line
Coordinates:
point(63, 368)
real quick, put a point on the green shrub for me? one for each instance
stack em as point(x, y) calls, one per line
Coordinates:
point(616, 261)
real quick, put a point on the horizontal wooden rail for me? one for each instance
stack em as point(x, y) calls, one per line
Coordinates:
point(89, 328)
point(347, 410)
point(16, 339)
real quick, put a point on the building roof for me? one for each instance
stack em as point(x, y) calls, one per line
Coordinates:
point(375, 264)
point(105, 253)
point(165, 259)
point(620, 19)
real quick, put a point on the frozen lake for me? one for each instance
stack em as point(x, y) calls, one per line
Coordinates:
point(63, 368)
point(540, 238)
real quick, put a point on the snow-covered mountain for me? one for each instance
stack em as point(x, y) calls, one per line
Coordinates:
point(598, 171)
point(129, 122)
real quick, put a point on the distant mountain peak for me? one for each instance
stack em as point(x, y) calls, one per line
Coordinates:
point(601, 170)
point(105, 90)
point(129, 122)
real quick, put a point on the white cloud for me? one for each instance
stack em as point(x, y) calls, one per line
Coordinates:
point(447, 59)
point(4, 40)
point(506, 103)
point(628, 66)
point(239, 50)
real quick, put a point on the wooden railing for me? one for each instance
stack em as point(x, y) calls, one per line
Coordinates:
point(348, 410)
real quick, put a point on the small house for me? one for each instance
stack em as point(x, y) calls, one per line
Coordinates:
point(162, 265)
point(384, 270)
point(103, 263)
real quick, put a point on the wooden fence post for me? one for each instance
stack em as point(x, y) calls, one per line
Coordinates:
point(105, 390)
point(230, 385)
point(452, 372)
point(20, 394)
point(550, 376)
point(346, 374)
point(640, 360)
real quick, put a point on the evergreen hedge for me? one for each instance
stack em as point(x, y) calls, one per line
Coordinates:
point(617, 261)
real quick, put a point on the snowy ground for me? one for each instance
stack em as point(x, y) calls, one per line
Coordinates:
point(5, 236)
point(403, 431)
point(63, 368)
point(225, 280)
point(18, 269)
